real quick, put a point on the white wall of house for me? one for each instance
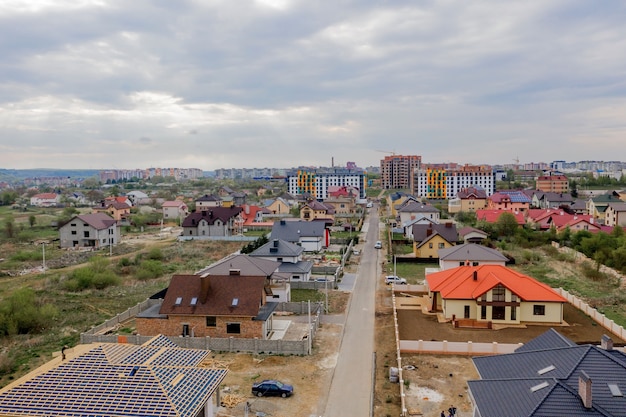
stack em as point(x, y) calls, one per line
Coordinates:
point(553, 312)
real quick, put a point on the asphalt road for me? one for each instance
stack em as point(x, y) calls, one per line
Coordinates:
point(350, 392)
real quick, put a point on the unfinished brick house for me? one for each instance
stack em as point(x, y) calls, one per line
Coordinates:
point(231, 305)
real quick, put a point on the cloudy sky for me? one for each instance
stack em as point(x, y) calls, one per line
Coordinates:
point(279, 83)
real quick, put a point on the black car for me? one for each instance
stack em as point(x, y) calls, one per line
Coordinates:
point(272, 387)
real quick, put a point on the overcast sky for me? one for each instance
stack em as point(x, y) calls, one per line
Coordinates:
point(280, 83)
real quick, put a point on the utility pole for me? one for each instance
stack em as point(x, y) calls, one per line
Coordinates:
point(43, 248)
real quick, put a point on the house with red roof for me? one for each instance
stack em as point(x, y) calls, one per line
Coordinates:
point(492, 216)
point(493, 294)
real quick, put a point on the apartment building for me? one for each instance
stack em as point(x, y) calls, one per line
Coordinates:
point(445, 183)
point(553, 184)
point(318, 182)
point(396, 171)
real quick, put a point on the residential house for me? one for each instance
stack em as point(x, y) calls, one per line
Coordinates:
point(472, 235)
point(207, 202)
point(278, 206)
point(93, 230)
point(228, 201)
point(45, 200)
point(508, 201)
point(428, 239)
point(406, 229)
point(493, 294)
point(341, 205)
point(554, 219)
point(413, 210)
point(551, 376)
point(492, 216)
point(225, 190)
point(174, 210)
point(118, 379)
point(343, 191)
point(253, 266)
point(232, 305)
point(119, 199)
point(117, 210)
point(547, 200)
point(77, 198)
point(399, 200)
point(468, 199)
point(292, 267)
point(315, 210)
point(312, 236)
point(470, 254)
point(615, 214)
point(579, 206)
point(596, 206)
point(553, 184)
point(214, 221)
point(138, 198)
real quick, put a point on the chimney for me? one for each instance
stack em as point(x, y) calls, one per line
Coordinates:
point(475, 275)
point(247, 207)
point(205, 286)
point(606, 342)
point(584, 389)
point(449, 225)
point(429, 231)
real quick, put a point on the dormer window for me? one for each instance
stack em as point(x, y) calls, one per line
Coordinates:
point(179, 301)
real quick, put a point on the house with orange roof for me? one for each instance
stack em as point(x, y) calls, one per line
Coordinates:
point(493, 294)
point(45, 200)
point(492, 216)
point(553, 183)
point(580, 223)
point(119, 199)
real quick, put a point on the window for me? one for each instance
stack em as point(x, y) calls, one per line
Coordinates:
point(441, 245)
point(233, 328)
point(513, 313)
point(498, 293)
point(185, 330)
point(539, 310)
point(483, 312)
point(73, 232)
point(466, 312)
point(430, 245)
point(86, 233)
point(211, 321)
point(498, 312)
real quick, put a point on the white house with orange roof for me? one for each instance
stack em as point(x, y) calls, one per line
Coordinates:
point(493, 294)
point(45, 200)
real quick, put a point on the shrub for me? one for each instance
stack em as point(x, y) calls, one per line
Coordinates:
point(149, 269)
point(96, 275)
point(23, 313)
point(155, 254)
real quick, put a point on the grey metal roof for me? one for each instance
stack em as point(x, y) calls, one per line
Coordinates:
point(266, 311)
point(299, 267)
point(248, 265)
point(548, 340)
point(447, 231)
point(471, 252)
point(278, 247)
point(512, 376)
point(98, 221)
point(415, 207)
point(292, 231)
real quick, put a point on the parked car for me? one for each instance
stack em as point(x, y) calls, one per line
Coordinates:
point(378, 245)
point(370, 205)
point(272, 387)
point(393, 279)
point(356, 252)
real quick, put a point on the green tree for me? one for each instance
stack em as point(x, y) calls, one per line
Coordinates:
point(9, 227)
point(32, 220)
point(506, 226)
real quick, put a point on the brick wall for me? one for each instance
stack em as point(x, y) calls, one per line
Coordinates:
point(198, 328)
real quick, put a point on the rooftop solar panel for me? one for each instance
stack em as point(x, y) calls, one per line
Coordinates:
point(95, 385)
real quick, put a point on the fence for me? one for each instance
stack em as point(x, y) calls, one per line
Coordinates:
point(231, 344)
point(600, 318)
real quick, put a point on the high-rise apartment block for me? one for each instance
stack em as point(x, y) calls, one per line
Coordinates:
point(396, 171)
point(316, 182)
point(437, 182)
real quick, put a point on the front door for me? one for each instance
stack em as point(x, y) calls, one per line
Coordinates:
point(185, 330)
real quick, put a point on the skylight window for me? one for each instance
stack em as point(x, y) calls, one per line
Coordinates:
point(235, 302)
point(615, 391)
point(179, 301)
point(194, 301)
point(546, 370)
point(538, 387)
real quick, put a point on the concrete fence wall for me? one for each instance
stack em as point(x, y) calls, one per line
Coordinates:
point(456, 348)
point(600, 318)
point(286, 347)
